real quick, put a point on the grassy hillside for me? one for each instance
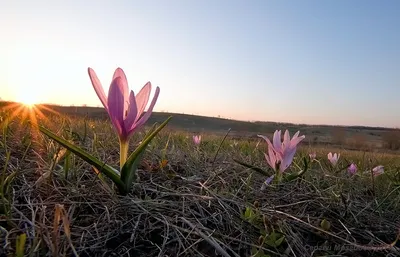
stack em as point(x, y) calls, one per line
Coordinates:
point(352, 136)
point(191, 200)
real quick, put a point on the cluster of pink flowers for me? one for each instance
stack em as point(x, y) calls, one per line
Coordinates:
point(126, 111)
point(352, 168)
point(378, 170)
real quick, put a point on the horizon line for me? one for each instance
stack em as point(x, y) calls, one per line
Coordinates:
point(224, 118)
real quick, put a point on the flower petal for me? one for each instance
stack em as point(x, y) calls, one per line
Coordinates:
point(267, 140)
point(116, 106)
point(267, 182)
point(272, 158)
point(146, 116)
point(288, 158)
point(296, 135)
point(277, 141)
point(120, 73)
point(286, 139)
point(268, 161)
point(132, 112)
point(142, 99)
point(296, 140)
point(269, 179)
point(98, 87)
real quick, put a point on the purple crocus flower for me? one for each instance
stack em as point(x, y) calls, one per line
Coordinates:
point(333, 158)
point(352, 169)
point(280, 154)
point(196, 140)
point(124, 108)
point(378, 170)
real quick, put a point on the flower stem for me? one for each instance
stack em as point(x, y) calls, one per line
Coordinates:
point(279, 176)
point(123, 152)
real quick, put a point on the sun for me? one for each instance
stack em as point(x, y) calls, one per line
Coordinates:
point(28, 99)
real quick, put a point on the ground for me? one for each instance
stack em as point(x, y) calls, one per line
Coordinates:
point(194, 200)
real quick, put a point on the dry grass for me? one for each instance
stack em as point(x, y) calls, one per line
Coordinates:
point(194, 206)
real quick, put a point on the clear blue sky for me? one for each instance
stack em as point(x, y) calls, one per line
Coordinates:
point(317, 62)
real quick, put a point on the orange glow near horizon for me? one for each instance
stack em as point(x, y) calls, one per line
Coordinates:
point(28, 111)
point(28, 99)
point(25, 111)
point(28, 118)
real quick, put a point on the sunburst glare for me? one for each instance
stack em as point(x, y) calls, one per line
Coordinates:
point(28, 99)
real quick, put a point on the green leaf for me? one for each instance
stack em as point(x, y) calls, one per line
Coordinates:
point(128, 171)
point(7, 181)
point(257, 169)
point(274, 239)
point(254, 250)
point(151, 130)
point(293, 176)
point(102, 167)
point(279, 241)
point(248, 213)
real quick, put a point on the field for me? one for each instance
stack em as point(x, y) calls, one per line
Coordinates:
point(194, 200)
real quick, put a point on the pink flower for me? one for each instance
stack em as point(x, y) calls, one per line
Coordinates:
point(313, 156)
point(197, 140)
point(124, 108)
point(280, 154)
point(333, 158)
point(378, 170)
point(352, 169)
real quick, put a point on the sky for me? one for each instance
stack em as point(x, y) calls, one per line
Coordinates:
point(314, 62)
